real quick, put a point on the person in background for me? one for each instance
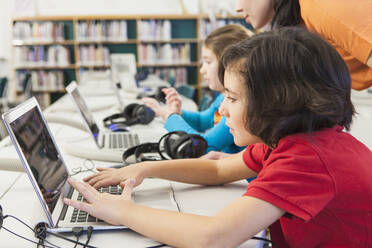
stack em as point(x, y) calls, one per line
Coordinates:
point(345, 24)
point(287, 98)
point(207, 123)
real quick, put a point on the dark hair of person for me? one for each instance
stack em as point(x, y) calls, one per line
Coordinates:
point(286, 13)
point(295, 82)
point(224, 36)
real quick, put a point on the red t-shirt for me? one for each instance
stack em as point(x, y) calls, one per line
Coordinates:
point(323, 182)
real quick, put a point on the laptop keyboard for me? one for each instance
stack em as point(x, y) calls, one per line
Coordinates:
point(79, 216)
point(122, 140)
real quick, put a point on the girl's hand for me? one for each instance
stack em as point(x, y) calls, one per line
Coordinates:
point(104, 206)
point(173, 100)
point(111, 176)
point(155, 106)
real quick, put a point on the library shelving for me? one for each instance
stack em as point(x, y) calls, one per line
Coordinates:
point(49, 52)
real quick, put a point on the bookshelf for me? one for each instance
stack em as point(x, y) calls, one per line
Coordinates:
point(57, 50)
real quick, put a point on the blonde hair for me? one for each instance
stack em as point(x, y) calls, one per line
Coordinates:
point(224, 36)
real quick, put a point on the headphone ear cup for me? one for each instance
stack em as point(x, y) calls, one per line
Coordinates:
point(166, 142)
point(159, 95)
point(189, 146)
point(144, 114)
point(174, 148)
point(128, 155)
point(146, 148)
point(130, 114)
point(138, 113)
point(149, 115)
point(129, 110)
point(109, 120)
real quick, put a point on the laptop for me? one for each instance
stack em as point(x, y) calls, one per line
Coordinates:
point(109, 140)
point(48, 172)
point(117, 88)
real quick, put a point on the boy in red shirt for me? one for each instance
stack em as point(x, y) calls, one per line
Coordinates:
point(287, 97)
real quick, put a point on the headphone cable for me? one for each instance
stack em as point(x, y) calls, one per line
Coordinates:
point(70, 240)
point(42, 240)
point(20, 236)
point(89, 235)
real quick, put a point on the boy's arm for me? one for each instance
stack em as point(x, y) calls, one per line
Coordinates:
point(230, 227)
point(201, 171)
point(195, 171)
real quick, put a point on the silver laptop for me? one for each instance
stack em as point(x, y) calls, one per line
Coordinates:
point(48, 173)
point(117, 88)
point(108, 140)
point(46, 168)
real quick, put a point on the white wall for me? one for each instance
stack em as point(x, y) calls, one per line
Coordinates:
point(6, 11)
point(92, 7)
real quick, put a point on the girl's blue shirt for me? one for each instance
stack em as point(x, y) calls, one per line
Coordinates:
point(218, 137)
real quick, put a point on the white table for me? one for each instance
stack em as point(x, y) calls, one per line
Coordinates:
point(19, 199)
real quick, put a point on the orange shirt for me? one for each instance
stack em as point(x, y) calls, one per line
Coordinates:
point(347, 25)
point(216, 118)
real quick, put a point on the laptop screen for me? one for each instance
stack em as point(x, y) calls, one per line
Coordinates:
point(87, 115)
point(41, 154)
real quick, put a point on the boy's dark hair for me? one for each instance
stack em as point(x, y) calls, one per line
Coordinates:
point(286, 13)
point(295, 83)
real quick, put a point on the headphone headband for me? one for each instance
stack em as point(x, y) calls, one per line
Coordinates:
point(132, 114)
point(173, 145)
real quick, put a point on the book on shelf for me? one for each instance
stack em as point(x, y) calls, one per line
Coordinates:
point(41, 80)
point(102, 31)
point(94, 56)
point(38, 31)
point(164, 53)
point(55, 55)
point(154, 30)
point(175, 76)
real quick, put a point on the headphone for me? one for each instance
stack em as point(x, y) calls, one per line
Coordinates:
point(159, 95)
point(133, 114)
point(173, 145)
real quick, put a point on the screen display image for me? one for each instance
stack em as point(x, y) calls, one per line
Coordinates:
point(88, 117)
point(41, 154)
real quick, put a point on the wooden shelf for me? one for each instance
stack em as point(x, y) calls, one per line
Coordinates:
point(45, 91)
point(206, 16)
point(170, 41)
point(42, 43)
point(168, 65)
point(93, 66)
point(129, 41)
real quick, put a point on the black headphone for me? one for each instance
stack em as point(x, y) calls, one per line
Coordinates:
point(133, 114)
point(173, 145)
point(159, 95)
